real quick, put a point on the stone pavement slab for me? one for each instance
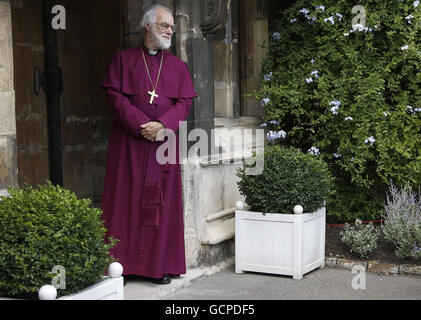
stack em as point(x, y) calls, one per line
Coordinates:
point(146, 290)
point(326, 284)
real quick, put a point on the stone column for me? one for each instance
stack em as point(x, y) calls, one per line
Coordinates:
point(8, 153)
point(196, 49)
point(227, 104)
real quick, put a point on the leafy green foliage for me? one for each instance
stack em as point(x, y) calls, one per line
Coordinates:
point(362, 239)
point(46, 227)
point(354, 92)
point(289, 178)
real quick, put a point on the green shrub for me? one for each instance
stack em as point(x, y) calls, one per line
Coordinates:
point(289, 178)
point(402, 221)
point(354, 92)
point(46, 227)
point(360, 238)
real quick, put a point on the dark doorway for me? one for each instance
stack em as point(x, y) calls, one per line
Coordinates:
point(94, 33)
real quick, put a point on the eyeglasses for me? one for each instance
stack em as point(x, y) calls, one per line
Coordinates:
point(165, 26)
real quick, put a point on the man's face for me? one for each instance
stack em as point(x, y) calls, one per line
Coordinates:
point(161, 32)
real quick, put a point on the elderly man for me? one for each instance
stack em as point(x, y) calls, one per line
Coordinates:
point(149, 89)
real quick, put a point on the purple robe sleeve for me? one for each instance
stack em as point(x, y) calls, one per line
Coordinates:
point(183, 91)
point(127, 115)
point(178, 112)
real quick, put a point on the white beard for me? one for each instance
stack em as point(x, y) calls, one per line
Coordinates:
point(159, 41)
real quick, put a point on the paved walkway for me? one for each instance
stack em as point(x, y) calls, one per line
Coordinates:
point(222, 283)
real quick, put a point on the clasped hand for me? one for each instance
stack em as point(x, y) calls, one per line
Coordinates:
point(150, 130)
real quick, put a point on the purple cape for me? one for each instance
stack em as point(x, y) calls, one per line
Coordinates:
point(142, 199)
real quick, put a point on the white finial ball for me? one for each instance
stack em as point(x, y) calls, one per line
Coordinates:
point(298, 209)
point(47, 292)
point(115, 270)
point(239, 205)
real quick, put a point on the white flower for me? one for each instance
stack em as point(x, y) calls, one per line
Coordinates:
point(312, 18)
point(405, 47)
point(416, 3)
point(320, 8)
point(282, 134)
point(349, 119)
point(346, 34)
point(385, 114)
point(413, 110)
point(276, 36)
point(274, 122)
point(273, 135)
point(314, 151)
point(305, 11)
point(370, 140)
point(408, 18)
point(265, 101)
point(264, 125)
point(335, 103)
point(359, 27)
point(312, 61)
point(337, 155)
point(340, 16)
point(330, 19)
point(309, 80)
point(334, 110)
point(268, 76)
point(315, 73)
point(293, 20)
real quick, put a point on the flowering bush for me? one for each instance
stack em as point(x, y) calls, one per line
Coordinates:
point(289, 178)
point(349, 93)
point(362, 239)
point(402, 221)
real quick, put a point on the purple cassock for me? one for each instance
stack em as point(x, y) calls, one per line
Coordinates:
point(142, 199)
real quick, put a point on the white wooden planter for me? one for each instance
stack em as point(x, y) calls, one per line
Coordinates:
point(107, 289)
point(286, 244)
point(110, 288)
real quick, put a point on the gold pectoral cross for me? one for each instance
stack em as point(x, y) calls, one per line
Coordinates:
point(153, 96)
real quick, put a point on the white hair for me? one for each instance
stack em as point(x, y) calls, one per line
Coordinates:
point(149, 17)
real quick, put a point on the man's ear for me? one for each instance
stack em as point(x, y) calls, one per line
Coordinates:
point(147, 27)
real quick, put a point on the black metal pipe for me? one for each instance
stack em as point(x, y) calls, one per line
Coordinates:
point(53, 87)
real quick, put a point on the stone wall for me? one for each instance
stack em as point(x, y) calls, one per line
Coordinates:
point(8, 159)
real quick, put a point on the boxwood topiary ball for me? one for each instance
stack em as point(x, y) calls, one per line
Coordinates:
point(289, 177)
point(48, 226)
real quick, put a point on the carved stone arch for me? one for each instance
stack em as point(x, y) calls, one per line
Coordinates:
point(214, 15)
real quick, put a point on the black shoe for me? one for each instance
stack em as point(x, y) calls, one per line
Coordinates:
point(164, 280)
